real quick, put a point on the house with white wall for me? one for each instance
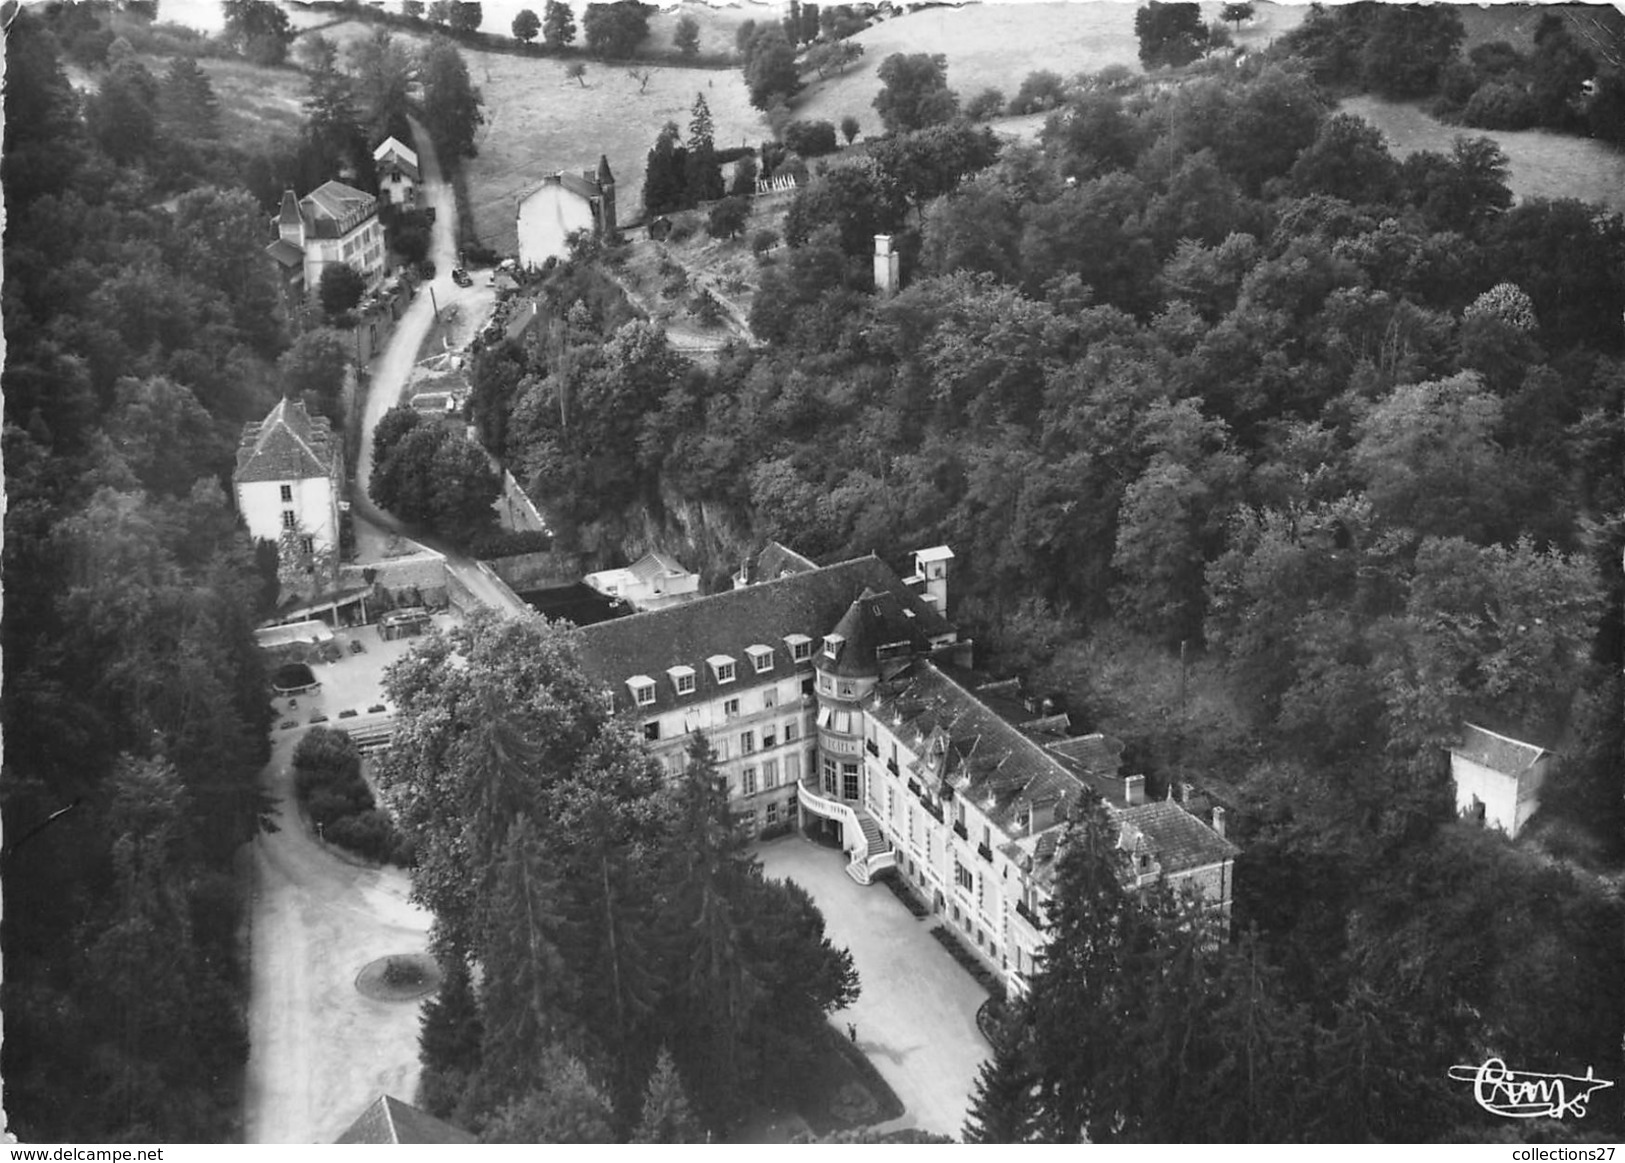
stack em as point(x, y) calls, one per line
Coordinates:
point(560, 204)
point(1498, 778)
point(332, 224)
point(398, 174)
point(289, 487)
point(651, 582)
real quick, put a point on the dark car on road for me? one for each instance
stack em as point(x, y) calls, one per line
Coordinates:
point(460, 277)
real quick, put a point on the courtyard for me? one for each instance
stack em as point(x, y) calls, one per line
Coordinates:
point(916, 1017)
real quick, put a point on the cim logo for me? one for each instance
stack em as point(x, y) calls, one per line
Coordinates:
point(1525, 1094)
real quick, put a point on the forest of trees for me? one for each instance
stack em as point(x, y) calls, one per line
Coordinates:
point(1214, 369)
point(632, 959)
point(139, 340)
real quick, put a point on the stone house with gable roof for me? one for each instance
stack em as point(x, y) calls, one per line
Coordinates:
point(398, 173)
point(1497, 778)
point(289, 488)
point(839, 699)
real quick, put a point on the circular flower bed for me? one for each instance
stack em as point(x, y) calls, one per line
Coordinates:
point(399, 977)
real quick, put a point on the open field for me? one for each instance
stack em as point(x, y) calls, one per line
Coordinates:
point(538, 121)
point(255, 100)
point(1543, 164)
point(998, 44)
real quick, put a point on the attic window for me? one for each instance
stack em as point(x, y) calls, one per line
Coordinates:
point(800, 647)
point(642, 688)
point(682, 679)
point(722, 667)
point(833, 644)
point(761, 658)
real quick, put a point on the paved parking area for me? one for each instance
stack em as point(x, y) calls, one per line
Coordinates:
point(916, 1017)
point(354, 683)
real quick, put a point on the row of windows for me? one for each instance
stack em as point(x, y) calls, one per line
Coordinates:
point(724, 669)
point(747, 740)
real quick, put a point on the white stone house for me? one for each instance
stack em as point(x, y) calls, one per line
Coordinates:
point(289, 484)
point(1498, 779)
point(398, 173)
point(651, 582)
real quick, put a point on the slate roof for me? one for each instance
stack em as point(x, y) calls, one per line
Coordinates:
point(1002, 770)
point(288, 445)
point(773, 561)
point(1180, 841)
point(400, 157)
point(875, 620)
point(809, 603)
point(286, 253)
point(336, 200)
point(654, 565)
point(389, 1120)
point(1497, 752)
point(987, 760)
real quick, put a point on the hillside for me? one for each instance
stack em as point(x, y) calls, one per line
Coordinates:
point(998, 44)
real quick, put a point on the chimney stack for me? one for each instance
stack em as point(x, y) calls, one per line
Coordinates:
point(1185, 791)
point(1218, 820)
point(1133, 790)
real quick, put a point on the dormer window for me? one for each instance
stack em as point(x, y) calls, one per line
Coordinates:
point(642, 688)
point(833, 644)
point(682, 679)
point(722, 667)
point(761, 658)
point(800, 647)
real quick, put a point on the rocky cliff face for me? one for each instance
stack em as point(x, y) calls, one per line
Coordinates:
point(708, 537)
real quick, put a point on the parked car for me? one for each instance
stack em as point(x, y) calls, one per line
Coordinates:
point(460, 277)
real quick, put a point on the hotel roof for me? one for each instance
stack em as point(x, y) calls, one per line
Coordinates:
point(809, 603)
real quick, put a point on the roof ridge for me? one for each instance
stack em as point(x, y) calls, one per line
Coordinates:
point(703, 598)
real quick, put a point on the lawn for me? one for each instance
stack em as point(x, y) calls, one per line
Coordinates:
point(538, 121)
point(1543, 164)
point(256, 101)
point(996, 45)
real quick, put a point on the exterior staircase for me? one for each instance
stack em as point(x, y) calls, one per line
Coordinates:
point(876, 852)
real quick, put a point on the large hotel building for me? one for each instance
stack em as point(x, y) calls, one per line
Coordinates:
point(840, 700)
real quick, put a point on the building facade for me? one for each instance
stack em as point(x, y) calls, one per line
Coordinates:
point(1497, 778)
point(289, 488)
point(333, 224)
point(840, 700)
point(398, 174)
point(561, 204)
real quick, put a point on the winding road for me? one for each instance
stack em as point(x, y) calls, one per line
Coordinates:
point(319, 1052)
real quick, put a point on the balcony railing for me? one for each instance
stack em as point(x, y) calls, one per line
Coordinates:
point(1026, 914)
point(932, 809)
point(871, 747)
point(985, 852)
point(891, 766)
point(959, 830)
point(913, 784)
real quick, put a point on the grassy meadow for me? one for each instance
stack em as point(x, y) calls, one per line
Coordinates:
point(996, 45)
point(1543, 164)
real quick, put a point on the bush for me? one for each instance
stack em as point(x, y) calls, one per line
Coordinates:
point(370, 834)
point(706, 310)
point(1040, 91)
point(950, 941)
point(763, 241)
point(493, 543)
point(327, 750)
point(811, 138)
point(683, 227)
point(893, 881)
point(988, 103)
point(1499, 105)
point(727, 217)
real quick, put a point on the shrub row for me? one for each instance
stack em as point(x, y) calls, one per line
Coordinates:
point(494, 543)
point(972, 963)
point(894, 882)
point(327, 779)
